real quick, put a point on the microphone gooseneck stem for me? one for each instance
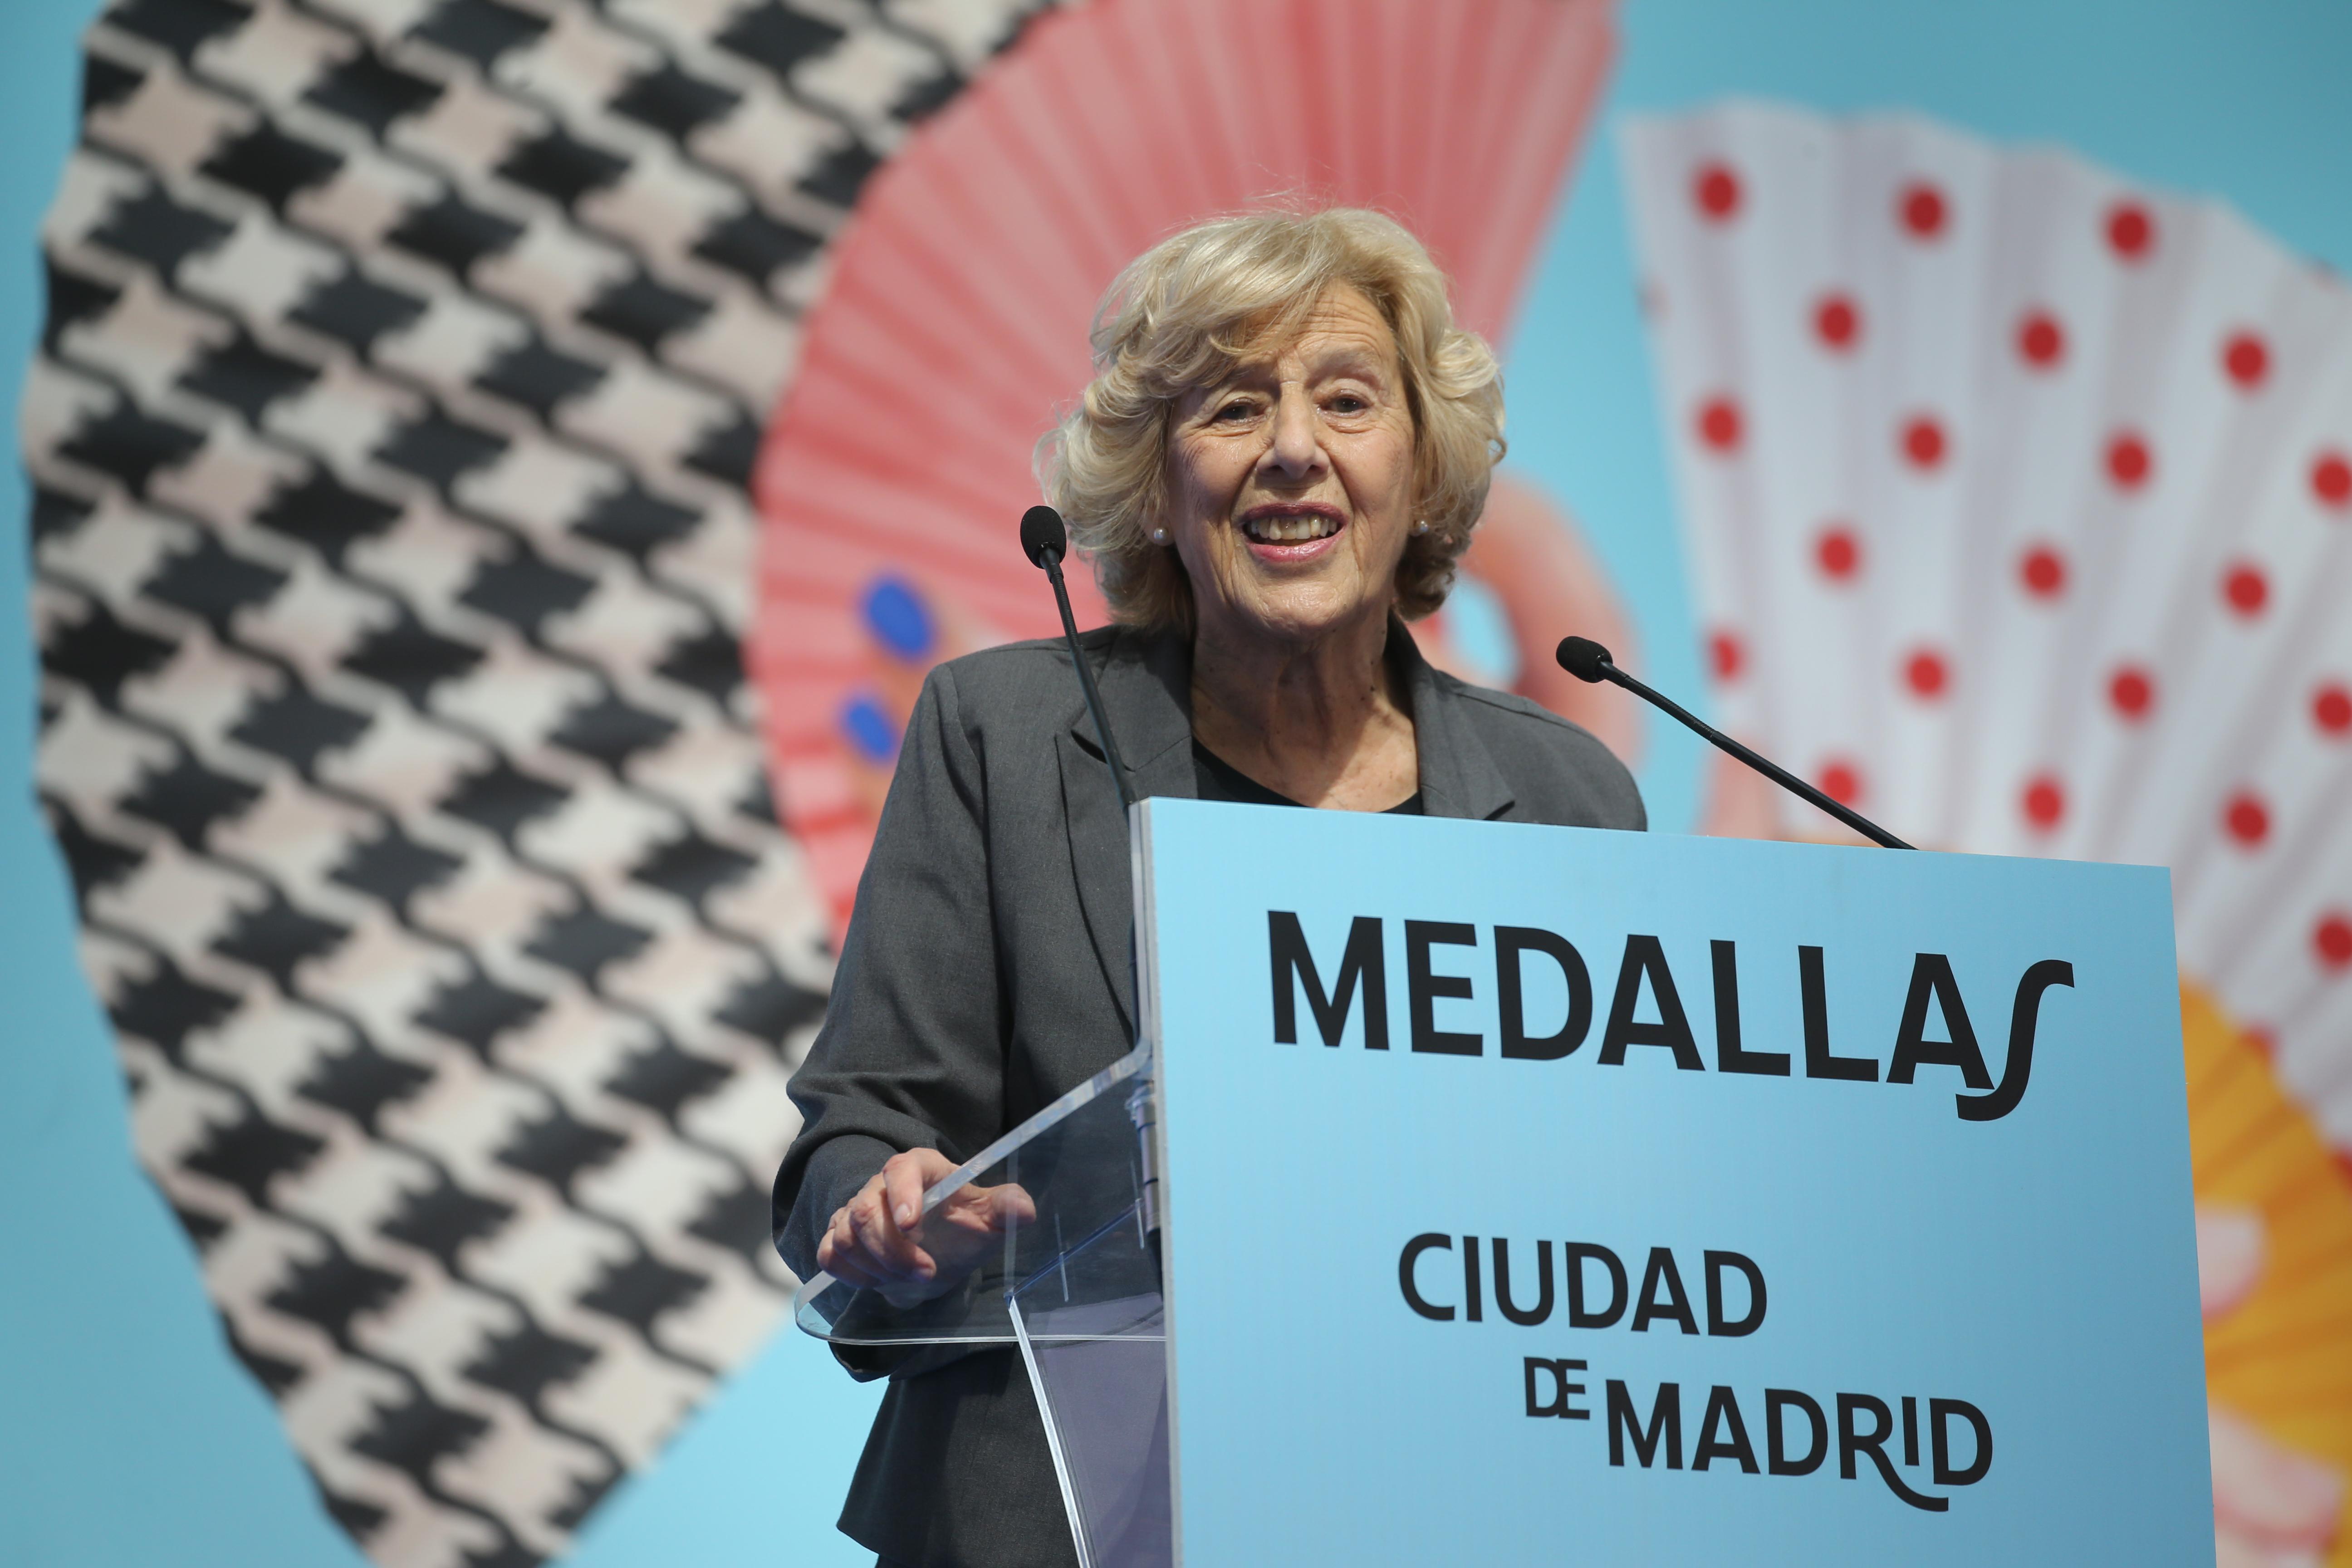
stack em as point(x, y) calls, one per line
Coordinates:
point(1053, 563)
point(1765, 765)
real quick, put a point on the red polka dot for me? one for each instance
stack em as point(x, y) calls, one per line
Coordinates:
point(1719, 424)
point(2133, 691)
point(1837, 322)
point(1725, 656)
point(2044, 802)
point(1923, 210)
point(2331, 480)
point(2044, 572)
point(2247, 818)
point(2246, 589)
point(1716, 191)
point(2128, 460)
point(2041, 339)
point(2247, 359)
point(1839, 552)
point(1842, 782)
point(2130, 230)
point(2331, 709)
point(2263, 1038)
point(1925, 673)
point(1923, 442)
point(2332, 938)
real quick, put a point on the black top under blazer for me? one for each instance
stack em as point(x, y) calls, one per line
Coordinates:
point(985, 973)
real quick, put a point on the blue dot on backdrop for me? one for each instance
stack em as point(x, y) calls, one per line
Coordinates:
point(130, 1435)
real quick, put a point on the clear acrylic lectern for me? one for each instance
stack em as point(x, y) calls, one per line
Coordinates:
point(1078, 1288)
point(1255, 1393)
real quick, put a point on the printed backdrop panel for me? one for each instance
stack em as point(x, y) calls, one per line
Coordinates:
point(437, 399)
point(2021, 500)
point(390, 437)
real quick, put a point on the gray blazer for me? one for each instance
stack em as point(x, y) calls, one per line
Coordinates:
point(985, 973)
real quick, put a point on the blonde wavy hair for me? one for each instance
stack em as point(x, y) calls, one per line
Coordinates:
point(1186, 311)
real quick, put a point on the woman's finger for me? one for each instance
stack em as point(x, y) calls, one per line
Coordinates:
point(837, 1238)
point(838, 1253)
point(893, 1252)
point(992, 1209)
point(1011, 1204)
point(902, 1189)
point(851, 1271)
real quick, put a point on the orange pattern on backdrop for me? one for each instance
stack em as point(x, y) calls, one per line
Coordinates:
point(2283, 1358)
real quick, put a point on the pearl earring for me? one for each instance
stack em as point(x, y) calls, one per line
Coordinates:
point(1420, 528)
point(1159, 536)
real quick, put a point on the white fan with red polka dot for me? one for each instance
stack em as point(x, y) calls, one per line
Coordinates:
point(2018, 505)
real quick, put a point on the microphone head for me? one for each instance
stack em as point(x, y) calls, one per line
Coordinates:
point(1582, 658)
point(1042, 536)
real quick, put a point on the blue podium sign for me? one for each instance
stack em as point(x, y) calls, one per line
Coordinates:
point(1547, 1194)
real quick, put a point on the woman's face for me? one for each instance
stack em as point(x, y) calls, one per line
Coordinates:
point(1293, 480)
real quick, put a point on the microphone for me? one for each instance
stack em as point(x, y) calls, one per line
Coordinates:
point(1045, 542)
point(1589, 661)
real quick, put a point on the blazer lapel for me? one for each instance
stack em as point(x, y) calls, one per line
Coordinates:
point(1146, 683)
point(1458, 775)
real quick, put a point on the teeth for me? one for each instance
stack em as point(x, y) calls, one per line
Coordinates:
point(1290, 529)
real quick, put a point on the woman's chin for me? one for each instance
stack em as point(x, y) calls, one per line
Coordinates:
point(1304, 611)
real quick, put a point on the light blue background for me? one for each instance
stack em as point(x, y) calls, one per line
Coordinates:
point(2041, 1267)
point(127, 1436)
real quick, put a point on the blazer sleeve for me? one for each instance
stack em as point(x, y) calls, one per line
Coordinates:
point(911, 1053)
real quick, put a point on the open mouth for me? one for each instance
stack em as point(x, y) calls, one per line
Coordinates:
point(1291, 525)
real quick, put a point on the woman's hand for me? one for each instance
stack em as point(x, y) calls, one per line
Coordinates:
point(881, 1240)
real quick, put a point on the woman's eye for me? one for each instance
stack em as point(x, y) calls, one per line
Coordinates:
point(1238, 409)
point(1349, 403)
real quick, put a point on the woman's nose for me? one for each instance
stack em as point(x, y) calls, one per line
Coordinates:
point(1297, 446)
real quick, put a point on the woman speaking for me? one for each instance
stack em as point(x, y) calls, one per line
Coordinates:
point(1284, 451)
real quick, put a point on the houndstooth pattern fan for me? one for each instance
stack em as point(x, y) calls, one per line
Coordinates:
point(405, 366)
